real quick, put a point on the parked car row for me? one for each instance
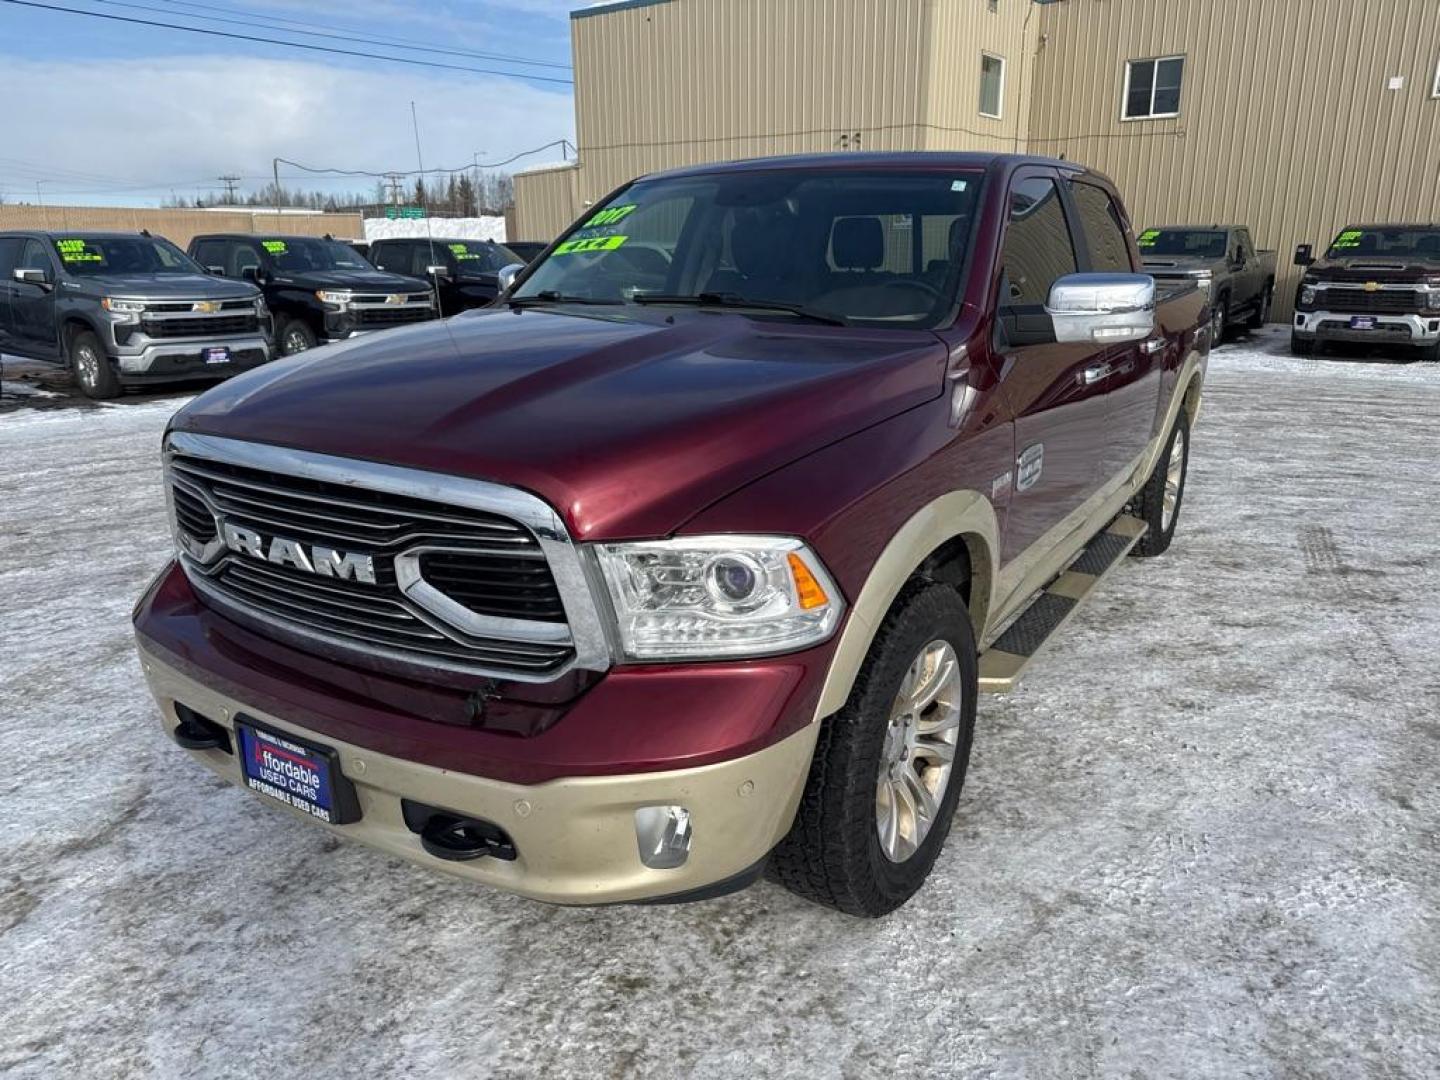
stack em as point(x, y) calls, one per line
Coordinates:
point(129, 309)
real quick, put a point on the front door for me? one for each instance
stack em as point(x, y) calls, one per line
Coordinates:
point(1056, 391)
point(32, 307)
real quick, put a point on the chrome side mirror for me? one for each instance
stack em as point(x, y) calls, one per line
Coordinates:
point(30, 275)
point(438, 271)
point(1102, 309)
point(507, 275)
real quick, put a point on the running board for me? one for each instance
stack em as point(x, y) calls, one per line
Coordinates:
point(1004, 662)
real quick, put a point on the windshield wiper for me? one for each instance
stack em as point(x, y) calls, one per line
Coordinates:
point(551, 296)
point(735, 300)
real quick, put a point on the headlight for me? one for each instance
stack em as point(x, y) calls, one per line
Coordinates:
point(1432, 300)
point(127, 309)
point(718, 596)
point(339, 297)
point(1308, 294)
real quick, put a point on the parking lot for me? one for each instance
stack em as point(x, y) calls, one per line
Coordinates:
point(1200, 841)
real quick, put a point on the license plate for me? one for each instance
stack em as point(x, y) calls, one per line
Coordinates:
point(294, 773)
point(1362, 322)
point(220, 355)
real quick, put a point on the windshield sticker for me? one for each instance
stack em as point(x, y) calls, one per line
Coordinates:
point(611, 216)
point(594, 243)
point(76, 251)
point(959, 185)
point(1350, 238)
point(274, 247)
point(1148, 238)
point(461, 251)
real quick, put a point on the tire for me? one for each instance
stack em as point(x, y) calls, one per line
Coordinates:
point(834, 854)
point(1159, 501)
point(1429, 354)
point(1301, 346)
point(294, 336)
point(93, 372)
point(1219, 320)
point(1262, 309)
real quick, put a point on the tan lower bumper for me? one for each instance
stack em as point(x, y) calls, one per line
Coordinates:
point(575, 837)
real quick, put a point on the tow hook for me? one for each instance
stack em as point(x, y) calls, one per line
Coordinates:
point(198, 732)
point(454, 837)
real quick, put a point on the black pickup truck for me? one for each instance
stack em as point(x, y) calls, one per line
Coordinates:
point(318, 288)
point(1221, 258)
point(123, 309)
point(466, 273)
point(1377, 285)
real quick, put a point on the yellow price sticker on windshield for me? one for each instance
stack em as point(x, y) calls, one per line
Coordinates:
point(75, 251)
point(594, 243)
point(1348, 239)
point(274, 247)
point(611, 216)
point(1148, 238)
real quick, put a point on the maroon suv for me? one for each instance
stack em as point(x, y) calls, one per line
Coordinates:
point(691, 556)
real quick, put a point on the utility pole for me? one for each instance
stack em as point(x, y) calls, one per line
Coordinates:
point(229, 182)
point(392, 181)
point(275, 166)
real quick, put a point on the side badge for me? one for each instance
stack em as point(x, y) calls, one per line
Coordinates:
point(1001, 484)
point(1029, 465)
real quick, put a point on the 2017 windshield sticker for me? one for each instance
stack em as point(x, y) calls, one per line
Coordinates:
point(1348, 239)
point(274, 247)
point(593, 243)
point(1148, 238)
point(610, 216)
point(76, 251)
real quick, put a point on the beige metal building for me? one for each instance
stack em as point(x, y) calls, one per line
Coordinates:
point(1294, 116)
point(179, 226)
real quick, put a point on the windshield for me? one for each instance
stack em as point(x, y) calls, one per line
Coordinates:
point(872, 248)
point(1193, 243)
point(298, 254)
point(1378, 242)
point(90, 255)
point(479, 256)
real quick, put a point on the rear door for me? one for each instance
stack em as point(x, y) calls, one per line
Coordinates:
point(32, 307)
point(1251, 283)
point(1059, 407)
point(1132, 384)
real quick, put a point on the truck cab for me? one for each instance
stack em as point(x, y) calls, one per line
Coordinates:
point(1220, 258)
point(319, 289)
point(1376, 285)
point(465, 273)
point(124, 309)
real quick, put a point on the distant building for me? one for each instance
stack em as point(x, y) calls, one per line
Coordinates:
point(1294, 116)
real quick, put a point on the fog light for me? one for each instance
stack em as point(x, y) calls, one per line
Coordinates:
point(663, 833)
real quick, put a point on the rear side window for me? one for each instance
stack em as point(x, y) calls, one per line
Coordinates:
point(392, 257)
point(1104, 235)
point(1037, 248)
point(210, 253)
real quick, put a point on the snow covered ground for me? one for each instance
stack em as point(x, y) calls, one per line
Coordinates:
point(1203, 840)
point(476, 228)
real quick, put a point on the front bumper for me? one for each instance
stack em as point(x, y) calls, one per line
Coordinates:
point(575, 838)
point(1389, 329)
point(141, 360)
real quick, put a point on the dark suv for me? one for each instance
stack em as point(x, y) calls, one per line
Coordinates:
point(318, 288)
point(122, 309)
point(465, 272)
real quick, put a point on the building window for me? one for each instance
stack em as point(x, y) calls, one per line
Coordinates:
point(1435, 86)
point(1152, 87)
point(992, 85)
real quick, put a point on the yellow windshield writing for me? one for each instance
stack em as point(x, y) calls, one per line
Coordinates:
point(594, 243)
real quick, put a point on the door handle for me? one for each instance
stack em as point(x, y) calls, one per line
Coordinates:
point(1093, 374)
point(1152, 346)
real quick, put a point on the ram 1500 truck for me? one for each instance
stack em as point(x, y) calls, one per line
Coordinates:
point(1377, 285)
point(319, 289)
point(618, 593)
point(1223, 258)
point(124, 309)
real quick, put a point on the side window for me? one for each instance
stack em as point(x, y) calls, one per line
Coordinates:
point(1037, 247)
point(210, 253)
point(35, 257)
point(1104, 234)
point(9, 256)
point(241, 256)
point(388, 256)
point(1242, 241)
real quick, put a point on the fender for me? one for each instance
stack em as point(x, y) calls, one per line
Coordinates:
point(1188, 386)
point(965, 514)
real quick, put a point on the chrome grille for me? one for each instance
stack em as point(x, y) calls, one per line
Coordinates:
point(455, 586)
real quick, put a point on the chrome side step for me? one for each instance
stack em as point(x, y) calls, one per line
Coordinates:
point(1004, 662)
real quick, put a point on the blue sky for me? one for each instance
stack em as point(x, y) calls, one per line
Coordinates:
point(120, 114)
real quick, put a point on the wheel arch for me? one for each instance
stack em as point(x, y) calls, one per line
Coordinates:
point(957, 532)
point(72, 323)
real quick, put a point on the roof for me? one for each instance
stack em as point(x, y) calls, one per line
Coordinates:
point(52, 234)
point(846, 159)
point(1199, 225)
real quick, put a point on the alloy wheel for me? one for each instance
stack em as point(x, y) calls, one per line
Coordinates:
point(1174, 476)
point(918, 754)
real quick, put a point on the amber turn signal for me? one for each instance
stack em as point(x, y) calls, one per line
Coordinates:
point(807, 589)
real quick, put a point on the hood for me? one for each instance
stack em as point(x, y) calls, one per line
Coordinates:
point(167, 286)
point(629, 426)
point(1364, 268)
point(359, 280)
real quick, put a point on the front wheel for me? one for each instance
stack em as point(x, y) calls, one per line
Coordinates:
point(295, 336)
point(1301, 346)
point(93, 372)
point(1158, 503)
point(1261, 314)
point(1219, 320)
point(889, 766)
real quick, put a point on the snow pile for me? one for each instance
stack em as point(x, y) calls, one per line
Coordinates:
point(476, 228)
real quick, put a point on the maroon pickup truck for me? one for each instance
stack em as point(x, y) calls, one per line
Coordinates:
point(688, 560)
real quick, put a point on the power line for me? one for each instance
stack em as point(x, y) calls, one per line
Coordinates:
point(468, 167)
point(270, 24)
point(289, 44)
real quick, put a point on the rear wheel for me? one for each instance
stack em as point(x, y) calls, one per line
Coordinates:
point(295, 336)
point(1301, 346)
point(1158, 503)
point(1219, 320)
point(889, 766)
point(1261, 314)
point(93, 372)
point(1429, 353)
